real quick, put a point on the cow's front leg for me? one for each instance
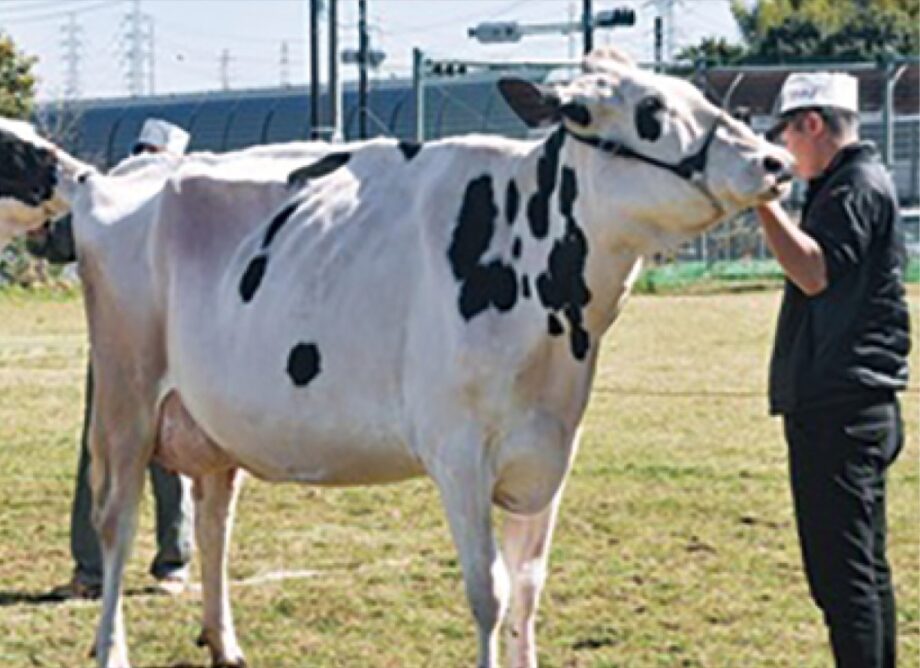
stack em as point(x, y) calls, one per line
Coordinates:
point(466, 489)
point(526, 542)
point(215, 499)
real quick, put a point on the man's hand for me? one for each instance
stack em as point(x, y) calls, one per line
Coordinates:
point(53, 242)
point(798, 254)
point(37, 241)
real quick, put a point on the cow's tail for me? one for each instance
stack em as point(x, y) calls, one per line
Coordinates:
point(71, 171)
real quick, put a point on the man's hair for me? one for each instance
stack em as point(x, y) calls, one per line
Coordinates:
point(839, 122)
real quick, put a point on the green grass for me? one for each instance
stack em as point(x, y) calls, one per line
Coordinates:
point(675, 546)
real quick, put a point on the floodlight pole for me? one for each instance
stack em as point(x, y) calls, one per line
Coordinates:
point(363, 48)
point(335, 89)
point(512, 31)
point(587, 25)
point(314, 69)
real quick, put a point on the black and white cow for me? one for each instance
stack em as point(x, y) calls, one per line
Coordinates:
point(403, 310)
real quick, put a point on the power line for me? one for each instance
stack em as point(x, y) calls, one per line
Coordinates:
point(453, 20)
point(225, 37)
point(83, 9)
point(39, 7)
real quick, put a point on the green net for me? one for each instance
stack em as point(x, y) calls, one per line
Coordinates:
point(727, 273)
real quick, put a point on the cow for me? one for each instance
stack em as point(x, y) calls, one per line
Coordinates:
point(388, 310)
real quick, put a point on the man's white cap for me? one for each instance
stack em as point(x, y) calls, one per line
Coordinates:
point(164, 136)
point(806, 90)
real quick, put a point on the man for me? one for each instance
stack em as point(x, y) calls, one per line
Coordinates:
point(839, 357)
point(171, 493)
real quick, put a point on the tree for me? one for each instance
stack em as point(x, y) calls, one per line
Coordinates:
point(784, 30)
point(17, 97)
point(712, 51)
point(17, 83)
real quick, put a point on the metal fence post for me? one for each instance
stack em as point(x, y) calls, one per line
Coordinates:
point(892, 74)
point(418, 90)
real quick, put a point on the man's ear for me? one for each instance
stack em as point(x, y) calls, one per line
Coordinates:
point(535, 105)
point(813, 122)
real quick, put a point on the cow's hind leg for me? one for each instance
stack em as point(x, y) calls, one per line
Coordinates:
point(466, 488)
point(215, 499)
point(117, 484)
point(526, 541)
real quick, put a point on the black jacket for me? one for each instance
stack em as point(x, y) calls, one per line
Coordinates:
point(55, 242)
point(850, 342)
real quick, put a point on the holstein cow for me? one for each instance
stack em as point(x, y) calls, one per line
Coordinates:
point(404, 310)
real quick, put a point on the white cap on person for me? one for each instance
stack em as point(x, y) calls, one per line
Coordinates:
point(163, 136)
point(809, 90)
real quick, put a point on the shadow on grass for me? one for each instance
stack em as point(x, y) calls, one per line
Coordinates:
point(9, 599)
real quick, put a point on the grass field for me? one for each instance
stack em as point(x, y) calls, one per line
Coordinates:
point(675, 547)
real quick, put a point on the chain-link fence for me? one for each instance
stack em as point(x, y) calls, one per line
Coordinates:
point(451, 97)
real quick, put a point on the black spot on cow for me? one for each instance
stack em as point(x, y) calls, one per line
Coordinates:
point(525, 286)
point(647, 123)
point(580, 342)
point(547, 166)
point(304, 363)
point(554, 325)
point(322, 167)
point(278, 222)
point(28, 173)
point(481, 285)
point(512, 202)
point(562, 286)
point(252, 277)
point(516, 248)
point(409, 149)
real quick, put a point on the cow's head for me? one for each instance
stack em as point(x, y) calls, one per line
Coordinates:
point(685, 163)
point(30, 179)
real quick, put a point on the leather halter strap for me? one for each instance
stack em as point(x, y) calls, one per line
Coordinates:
point(692, 168)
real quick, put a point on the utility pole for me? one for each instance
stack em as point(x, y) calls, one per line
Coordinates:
point(363, 47)
point(284, 65)
point(658, 42)
point(571, 36)
point(314, 68)
point(587, 25)
point(225, 69)
point(151, 57)
point(335, 90)
point(73, 48)
point(666, 13)
point(135, 55)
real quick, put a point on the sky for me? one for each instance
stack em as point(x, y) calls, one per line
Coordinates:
point(192, 37)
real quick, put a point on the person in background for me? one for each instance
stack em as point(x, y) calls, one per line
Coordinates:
point(171, 492)
point(839, 359)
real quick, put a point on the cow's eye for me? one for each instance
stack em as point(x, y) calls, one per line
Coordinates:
point(648, 124)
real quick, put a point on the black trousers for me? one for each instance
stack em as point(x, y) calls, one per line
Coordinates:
point(838, 457)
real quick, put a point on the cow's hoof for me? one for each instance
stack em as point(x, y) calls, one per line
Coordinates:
point(218, 657)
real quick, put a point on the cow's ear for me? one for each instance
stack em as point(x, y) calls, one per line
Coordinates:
point(535, 105)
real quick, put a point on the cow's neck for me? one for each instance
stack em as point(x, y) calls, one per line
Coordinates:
point(591, 251)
